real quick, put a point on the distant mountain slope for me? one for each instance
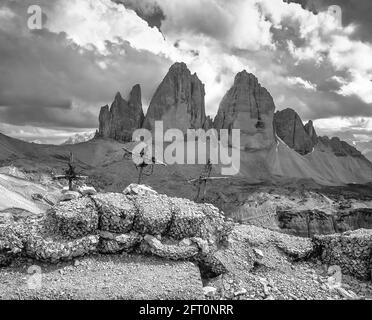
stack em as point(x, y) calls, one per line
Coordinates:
point(179, 101)
point(334, 160)
point(16, 194)
point(19, 194)
point(79, 138)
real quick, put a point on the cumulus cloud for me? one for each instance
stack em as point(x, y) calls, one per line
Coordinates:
point(302, 83)
point(48, 79)
point(89, 49)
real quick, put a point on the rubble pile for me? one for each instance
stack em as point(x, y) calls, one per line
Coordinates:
point(352, 251)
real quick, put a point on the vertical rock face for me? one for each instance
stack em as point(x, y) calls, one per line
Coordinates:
point(249, 107)
point(289, 128)
point(303, 139)
point(310, 130)
point(338, 147)
point(124, 117)
point(208, 124)
point(178, 101)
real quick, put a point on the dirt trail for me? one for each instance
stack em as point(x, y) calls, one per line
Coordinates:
point(125, 277)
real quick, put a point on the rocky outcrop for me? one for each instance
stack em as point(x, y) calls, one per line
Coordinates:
point(123, 118)
point(249, 107)
point(178, 101)
point(289, 128)
point(310, 130)
point(338, 147)
point(352, 251)
point(308, 223)
point(208, 124)
point(303, 138)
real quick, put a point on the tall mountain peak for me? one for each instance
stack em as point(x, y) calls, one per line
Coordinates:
point(123, 118)
point(249, 107)
point(290, 128)
point(178, 101)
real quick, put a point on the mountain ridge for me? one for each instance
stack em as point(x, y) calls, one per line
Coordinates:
point(266, 154)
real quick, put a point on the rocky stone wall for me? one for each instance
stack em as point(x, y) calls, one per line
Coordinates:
point(137, 220)
point(352, 251)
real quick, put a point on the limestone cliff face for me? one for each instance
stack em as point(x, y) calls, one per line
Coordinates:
point(123, 118)
point(289, 128)
point(178, 101)
point(249, 107)
point(310, 130)
point(303, 139)
point(338, 147)
point(208, 124)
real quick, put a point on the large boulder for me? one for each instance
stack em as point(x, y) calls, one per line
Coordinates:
point(117, 212)
point(178, 101)
point(154, 214)
point(74, 219)
point(123, 118)
point(290, 128)
point(137, 189)
point(249, 107)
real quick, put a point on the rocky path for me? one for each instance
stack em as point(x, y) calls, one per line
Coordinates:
point(262, 265)
point(100, 277)
point(266, 265)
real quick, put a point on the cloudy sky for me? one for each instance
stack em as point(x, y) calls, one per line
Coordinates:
point(54, 81)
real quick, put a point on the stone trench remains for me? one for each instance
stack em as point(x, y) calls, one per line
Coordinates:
point(137, 220)
point(142, 221)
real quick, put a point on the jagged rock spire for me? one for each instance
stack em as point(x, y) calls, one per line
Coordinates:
point(249, 107)
point(178, 101)
point(124, 117)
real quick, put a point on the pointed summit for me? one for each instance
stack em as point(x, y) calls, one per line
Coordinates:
point(179, 67)
point(290, 128)
point(245, 77)
point(178, 101)
point(118, 97)
point(120, 121)
point(135, 95)
point(249, 107)
point(310, 130)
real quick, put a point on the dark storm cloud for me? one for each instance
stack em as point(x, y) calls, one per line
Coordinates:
point(148, 10)
point(354, 11)
point(273, 70)
point(47, 80)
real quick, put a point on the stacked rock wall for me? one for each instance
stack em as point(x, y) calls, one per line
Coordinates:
point(137, 220)
point(352, 251)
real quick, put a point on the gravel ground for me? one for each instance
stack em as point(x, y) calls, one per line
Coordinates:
point(261, 264)
point(279, 273)
point(125, 277)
